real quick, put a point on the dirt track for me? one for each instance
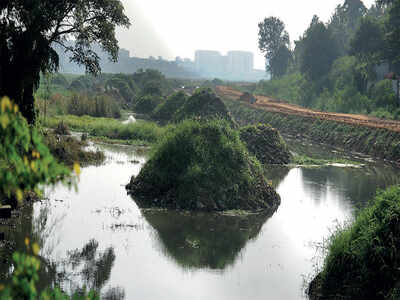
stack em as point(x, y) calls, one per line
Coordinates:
point(273, 105)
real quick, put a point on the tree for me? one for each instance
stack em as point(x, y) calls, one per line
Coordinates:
point(393, 34)
point(30, 29)
point(319, 50)
point(272, 36)
point(344, 22)
point(280, 62)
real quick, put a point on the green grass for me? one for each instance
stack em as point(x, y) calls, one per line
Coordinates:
point(141, 132)
point(364, 258)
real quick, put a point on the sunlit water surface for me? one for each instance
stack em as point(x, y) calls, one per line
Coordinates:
point(170, 255)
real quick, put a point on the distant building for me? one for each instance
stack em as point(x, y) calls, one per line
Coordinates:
point(240, 62)
point(235, 66)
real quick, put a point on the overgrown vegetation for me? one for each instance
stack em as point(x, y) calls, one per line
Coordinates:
point(380, 143)
point(265, 143)
point(203, 166)
point(203, 105)
point(349, 64)
point(25, 161)
point(363, 259)
point(69, 150)
point(140, 132)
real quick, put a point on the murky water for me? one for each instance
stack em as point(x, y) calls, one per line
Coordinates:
point(98, 237)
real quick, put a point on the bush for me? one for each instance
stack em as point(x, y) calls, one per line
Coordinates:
point(363, 259)
point(203, 166)
point(25, 161)
point(166, 110)
point(146, 104)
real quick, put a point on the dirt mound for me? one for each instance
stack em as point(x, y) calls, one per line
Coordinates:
point(203, 105)
point(203, 166)
point(265, 143)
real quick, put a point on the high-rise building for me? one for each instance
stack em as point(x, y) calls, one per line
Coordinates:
point(240, 62)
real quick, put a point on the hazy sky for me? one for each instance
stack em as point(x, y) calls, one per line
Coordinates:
point(179, 27)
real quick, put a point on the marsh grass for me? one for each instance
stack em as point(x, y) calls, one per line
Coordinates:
point(143, 131)
point(364, 257)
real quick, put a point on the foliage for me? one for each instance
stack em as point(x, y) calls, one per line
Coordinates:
point(68, 150)
point(203, 105)
point(100, 105)
point(375, 142)
point(363, 260)
point(165, 111)
point(203, 166)
point(266, 144)
point(139, 132)
point(25, 159)
point(393, 33)
point(272, 40)
point(146, 104)
point(29, 30)
point(288, 87)
point(344, 22)
point(319, 52)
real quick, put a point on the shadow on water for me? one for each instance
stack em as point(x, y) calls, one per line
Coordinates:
point(204, 240)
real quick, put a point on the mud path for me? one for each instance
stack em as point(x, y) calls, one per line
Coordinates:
point(273, 105)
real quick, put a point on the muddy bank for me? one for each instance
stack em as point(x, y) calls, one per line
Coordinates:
point(376, 142)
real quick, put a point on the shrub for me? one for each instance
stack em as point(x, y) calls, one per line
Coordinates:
point(203, 166)
point(166, 110)
point(146, 104)
point(363, 259)
point(25, 161)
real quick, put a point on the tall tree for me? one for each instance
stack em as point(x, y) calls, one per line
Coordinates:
point(319, 50)
point(29, 29)
point(344, 22)
point(272, 39)
point(393, 35)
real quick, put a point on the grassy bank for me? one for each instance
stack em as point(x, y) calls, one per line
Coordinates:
point(140, 132)
point(363, 259)
point(381, 143)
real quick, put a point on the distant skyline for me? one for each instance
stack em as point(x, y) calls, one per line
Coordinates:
point(179, 28)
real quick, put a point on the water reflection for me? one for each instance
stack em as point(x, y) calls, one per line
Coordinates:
point(204, 240)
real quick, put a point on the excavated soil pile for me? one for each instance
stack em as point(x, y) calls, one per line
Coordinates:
point(203, 166)
point(203, 105)
point(265, 143)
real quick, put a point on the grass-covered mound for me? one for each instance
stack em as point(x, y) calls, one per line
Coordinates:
point(265, 143)
point(203, 166)
point(165, 111)
point(203, 105)
point(363, 260)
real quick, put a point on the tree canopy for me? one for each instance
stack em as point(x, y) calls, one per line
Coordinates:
point(319, 50)
point(30, 29)
point(273, 40)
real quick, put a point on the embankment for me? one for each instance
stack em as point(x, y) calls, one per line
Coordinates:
point(377, 142)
